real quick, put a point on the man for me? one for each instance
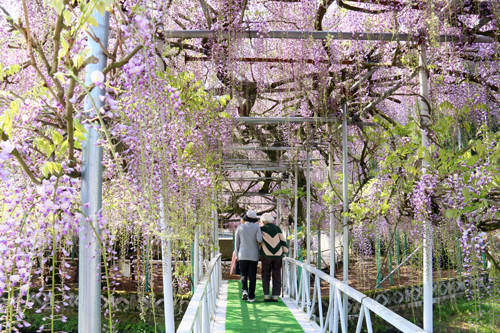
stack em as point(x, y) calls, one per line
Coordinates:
point(247, 239)
point(273, 247)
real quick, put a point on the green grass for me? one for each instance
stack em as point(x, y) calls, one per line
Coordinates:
point(468, 316)
point(262, 317)
point(456, 316)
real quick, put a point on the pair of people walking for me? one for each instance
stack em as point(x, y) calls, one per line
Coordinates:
point(268, 241)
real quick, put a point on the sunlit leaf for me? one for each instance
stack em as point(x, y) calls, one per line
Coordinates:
point(92, 21)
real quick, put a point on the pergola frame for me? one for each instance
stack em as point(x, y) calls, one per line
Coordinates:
point(424, 113)
point(88, 321)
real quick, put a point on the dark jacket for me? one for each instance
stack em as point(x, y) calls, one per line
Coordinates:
point(273, 241)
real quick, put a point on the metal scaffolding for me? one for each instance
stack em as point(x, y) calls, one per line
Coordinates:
point(89, 287)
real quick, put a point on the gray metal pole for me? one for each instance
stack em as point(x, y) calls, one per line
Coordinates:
point(308, 209)
point(196, 256)
point(278, 212)
point(345, 192)
point(215, 228)
point(289, 209)
point(296, 213)
point(425, 121)
point(168, 295)
point(332, 217)
point(89, 261)
point(332, 227)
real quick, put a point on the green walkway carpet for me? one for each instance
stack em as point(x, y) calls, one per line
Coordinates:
point(260, 316)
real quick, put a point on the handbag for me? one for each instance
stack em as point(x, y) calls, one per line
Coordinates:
point(234, 264)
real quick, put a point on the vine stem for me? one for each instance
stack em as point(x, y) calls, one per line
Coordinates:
point(113, 153)
point(53, 288)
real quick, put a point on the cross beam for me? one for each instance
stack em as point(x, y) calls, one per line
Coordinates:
point(295, 120)
point(334, 35)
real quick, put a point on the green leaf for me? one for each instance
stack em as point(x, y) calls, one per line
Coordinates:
point(64, 145)
point(46, 169)
point(60, 76)
point(101, 8)
point(450, 213)
point(465, 109)
point(68, 16)
point(92, 21)
point(446, 105)
point(79, 135)
point(79, 126)
point(188, 150)
point(58, 5)
point(465, 193)
point(482, 106)
point(78, 60)
point(51, 168)
point(56, 137)
point(496, 181)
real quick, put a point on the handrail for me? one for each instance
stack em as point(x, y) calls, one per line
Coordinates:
point(366, 302)
point(204, 298)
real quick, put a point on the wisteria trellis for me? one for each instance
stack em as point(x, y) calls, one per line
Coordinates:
point(166, 117)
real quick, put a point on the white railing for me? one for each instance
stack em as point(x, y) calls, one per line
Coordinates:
point(202, 306)
point(337, 307)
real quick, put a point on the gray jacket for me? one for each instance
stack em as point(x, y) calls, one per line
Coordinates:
point(248, 237)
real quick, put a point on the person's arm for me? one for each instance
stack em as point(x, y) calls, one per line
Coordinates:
point(284, 245)
point(237, 243)
point(259, 235)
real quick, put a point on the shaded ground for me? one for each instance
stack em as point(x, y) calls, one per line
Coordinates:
point(362, 276)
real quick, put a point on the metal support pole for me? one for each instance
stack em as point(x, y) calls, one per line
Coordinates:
point(206, 315)
point(308, 229)
point(425, 121)
point(308, 208)
point(296, 213)
point(196, 259)
point(332, 225)
point(215, 229)
point(319, 248)
point(345, 189)
point(216, 232)
point(168, 296)
point(89, 280)
point(278, 213)
point(289, 210)
point(196, 268)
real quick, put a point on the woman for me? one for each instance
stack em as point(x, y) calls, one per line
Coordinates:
point(235, 264)
point(273, 247)
point(248, 237)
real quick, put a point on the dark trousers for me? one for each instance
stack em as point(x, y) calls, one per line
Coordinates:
point(248, 269)
point(271, 265)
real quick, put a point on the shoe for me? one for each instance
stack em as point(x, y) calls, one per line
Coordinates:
point(244, 297)
point(274, 298)
point(251, 300)
point(266, 298)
